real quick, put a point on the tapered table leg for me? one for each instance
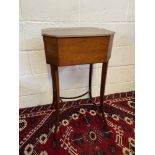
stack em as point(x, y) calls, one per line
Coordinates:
point(103, 81)
point(90, 80)
point(56, 97)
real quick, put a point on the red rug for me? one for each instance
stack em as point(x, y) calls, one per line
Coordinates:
point(82, 130)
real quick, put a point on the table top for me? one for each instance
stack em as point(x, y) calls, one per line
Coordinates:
point(76, 32)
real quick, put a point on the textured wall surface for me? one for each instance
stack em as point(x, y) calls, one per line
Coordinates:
point(35, 80)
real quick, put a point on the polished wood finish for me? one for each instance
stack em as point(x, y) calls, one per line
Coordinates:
point(76, 32)
point(103, 81)
point(92, 48)
point(74, 46)
point(56, 92)
point(90, 79)
point(62, 45)
point(51, 50)
point(64, 51)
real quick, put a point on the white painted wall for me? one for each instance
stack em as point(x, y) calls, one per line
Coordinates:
point(35, 80)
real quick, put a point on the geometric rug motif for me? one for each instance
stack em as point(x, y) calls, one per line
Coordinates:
point(82, 130)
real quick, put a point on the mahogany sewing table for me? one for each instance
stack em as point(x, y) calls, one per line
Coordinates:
point(76, 46)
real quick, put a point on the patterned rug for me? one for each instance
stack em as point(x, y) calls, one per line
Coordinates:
point(82, 130)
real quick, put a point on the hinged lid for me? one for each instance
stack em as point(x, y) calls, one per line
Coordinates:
point(76, 32)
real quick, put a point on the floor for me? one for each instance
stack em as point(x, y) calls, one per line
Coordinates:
point(82, 130)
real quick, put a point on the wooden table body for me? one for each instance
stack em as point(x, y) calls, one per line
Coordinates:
point(76, 46)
